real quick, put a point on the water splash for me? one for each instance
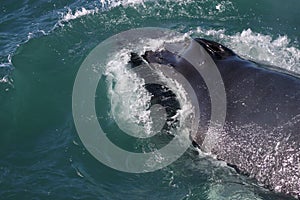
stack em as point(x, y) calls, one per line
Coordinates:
point(129, 99)
point(278, 52)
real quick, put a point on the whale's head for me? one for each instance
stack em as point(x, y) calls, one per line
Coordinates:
point(196, 65)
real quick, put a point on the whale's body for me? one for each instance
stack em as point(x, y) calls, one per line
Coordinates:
point(261, 134)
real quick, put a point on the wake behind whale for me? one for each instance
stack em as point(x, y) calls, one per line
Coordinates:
point(260, 137)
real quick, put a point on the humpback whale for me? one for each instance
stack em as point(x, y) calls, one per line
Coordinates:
point(261, 134)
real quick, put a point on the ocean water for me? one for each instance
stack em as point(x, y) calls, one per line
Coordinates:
point(42, 45)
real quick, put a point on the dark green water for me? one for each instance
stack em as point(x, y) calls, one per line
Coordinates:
point(42, 45)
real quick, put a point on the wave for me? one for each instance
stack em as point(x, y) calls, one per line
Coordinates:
point(203, 8)
point(252, 45)
point(258, 47)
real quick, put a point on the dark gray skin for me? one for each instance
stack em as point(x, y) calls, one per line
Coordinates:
point(262, 130)
point(261, 136)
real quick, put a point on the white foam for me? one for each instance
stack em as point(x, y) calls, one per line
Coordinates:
point(231, 190)
point(70, 15)
point(105, 4)
point(223, 6)
point(130, 100)
point(278, 52)
point(109, 4)
point(114, 3)
point(4, 79)
point(8, 63)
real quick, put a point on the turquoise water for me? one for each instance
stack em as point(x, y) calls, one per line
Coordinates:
point(42, 45)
